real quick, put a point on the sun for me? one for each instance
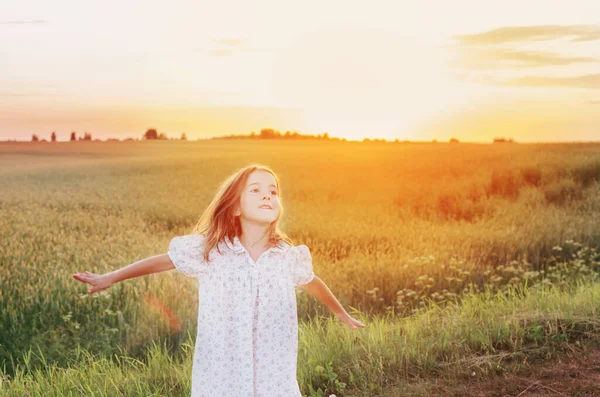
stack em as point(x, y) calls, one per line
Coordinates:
point(353, 125)
point(359, 83)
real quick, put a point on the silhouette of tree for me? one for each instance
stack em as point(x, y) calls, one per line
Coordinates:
point(183, 137)
point(53, 136)
point(34, 138)
point(151, 134)
point(73, 137)
point(267, 133)
point(503, 140)
point(162, 136)
point(453, 140)
point(86, 137)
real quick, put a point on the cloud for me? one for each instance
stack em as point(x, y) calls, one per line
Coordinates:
point(493, 58)
point(35, 21)
point(512, 34)
point(21, 94)
point(229, 46)
point(585, 81)
point(220, 52)
point(497, 49)
point(229, 42)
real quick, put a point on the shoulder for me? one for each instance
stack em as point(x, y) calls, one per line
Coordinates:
point(296, 249)
point(187, 240)
point(190, 237)
point(300, 252)
point(302, 267)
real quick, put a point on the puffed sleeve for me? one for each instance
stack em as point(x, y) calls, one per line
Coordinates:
point(302, 268)
point(186, 253)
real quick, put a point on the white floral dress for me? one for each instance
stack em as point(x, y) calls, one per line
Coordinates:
point(247, 339)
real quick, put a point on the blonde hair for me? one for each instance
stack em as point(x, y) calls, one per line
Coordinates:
point(219, 221)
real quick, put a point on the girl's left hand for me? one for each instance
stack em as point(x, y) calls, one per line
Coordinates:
point(349, 321)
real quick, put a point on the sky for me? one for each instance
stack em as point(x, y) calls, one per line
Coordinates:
point(473, 70)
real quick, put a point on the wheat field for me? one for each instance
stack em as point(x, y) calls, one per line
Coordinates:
point(408, 236)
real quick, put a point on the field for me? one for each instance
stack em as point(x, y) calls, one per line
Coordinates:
point(464, 260)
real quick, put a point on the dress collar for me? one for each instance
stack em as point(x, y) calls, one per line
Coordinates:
point(236, 245)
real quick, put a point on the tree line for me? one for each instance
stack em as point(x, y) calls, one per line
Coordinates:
point(265, 133)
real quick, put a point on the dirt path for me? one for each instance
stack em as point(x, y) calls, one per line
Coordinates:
point(572, 375)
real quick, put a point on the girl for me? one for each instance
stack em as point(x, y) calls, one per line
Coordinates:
point(247, 338)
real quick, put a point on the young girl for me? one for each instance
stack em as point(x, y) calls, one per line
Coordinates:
point(247, 339)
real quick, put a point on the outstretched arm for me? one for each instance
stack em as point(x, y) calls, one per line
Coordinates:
point(321, 291)
point(153, 264)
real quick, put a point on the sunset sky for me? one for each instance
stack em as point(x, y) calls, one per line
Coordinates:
point(425, 70)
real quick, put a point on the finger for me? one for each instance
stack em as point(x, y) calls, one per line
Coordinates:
point(82, 278)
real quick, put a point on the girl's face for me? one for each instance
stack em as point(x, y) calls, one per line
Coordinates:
point(260, 191)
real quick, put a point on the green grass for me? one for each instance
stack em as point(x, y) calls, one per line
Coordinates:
point(390, 226)
point(487, 333)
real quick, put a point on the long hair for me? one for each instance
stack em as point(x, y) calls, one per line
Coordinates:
point(219, 221)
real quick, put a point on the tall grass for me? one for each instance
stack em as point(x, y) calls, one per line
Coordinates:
point(389, 225)
point(487, 333)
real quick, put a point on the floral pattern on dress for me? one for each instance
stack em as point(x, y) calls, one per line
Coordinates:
point(247, 337)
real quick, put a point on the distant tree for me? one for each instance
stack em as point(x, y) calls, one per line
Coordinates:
point(162, 136)
point(53, 136)
point(151, 134)
point(34, 138)
point(453, 140)
point(503, 140)
point(73, 137)
point(434, 141)
point(267, 133)
point(86, 137)
point(183, 136)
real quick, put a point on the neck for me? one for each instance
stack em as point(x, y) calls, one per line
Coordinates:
point(254, 236)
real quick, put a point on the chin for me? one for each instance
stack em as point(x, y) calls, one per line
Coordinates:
point(271, 216)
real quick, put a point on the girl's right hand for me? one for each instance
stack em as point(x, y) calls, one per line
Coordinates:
point(97, 281)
